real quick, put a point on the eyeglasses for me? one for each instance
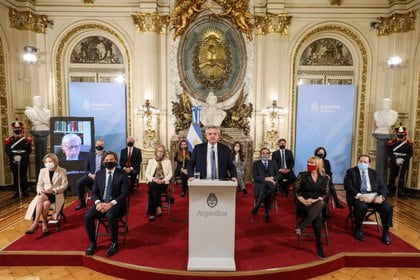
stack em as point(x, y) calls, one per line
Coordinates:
point(72, 147)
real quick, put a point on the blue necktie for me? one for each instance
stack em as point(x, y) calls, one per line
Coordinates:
point(282, 164)
point(265, 164)
point(213, 163)
point(108, 189)
point(364, 182)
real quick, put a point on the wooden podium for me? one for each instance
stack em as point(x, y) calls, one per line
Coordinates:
point(211, 236)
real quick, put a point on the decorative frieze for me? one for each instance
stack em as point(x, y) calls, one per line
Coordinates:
point(396, 23)
point(273, 23)
point(26, 20)
point(151, 22)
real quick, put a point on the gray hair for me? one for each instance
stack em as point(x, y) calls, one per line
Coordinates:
point(71, 137)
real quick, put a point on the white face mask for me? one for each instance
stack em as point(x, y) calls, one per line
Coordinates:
point(49, 165)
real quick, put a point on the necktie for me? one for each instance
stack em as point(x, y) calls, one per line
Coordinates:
point(213, 163)
point(265, 164)
point(364, 182)
point(108, 188)
point(282, 164)
point(129, 158)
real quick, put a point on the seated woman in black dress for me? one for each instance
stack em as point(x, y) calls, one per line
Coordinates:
point(181, 158)
point(52, 183)
point(311, 192)
point(158, 174)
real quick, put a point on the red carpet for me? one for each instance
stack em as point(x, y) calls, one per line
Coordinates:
point(259, 245)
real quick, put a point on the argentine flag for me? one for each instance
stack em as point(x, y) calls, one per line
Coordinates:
point(194, 135)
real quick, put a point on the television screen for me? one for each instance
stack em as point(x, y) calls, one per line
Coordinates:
point(72, 138)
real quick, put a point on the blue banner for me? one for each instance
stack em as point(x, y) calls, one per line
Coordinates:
point(106, 103)
point(325, 115)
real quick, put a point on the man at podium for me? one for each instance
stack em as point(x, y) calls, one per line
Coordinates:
point(211, 160)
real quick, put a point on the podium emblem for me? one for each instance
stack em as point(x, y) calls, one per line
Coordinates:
point(212, 200)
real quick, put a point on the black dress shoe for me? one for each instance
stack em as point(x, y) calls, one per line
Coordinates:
point(358, 234)
point(254, 211)
point(182, 194)
point(266, 217)
point(91, 249)
point(319, 251)
point(159, 215)
point(386, 239)
point(113, 248)
point(16, 195)
point(25, 194)
point(152, 218)
point(80, 206)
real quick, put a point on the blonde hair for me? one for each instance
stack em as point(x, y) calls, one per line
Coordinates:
point(164, 150)
point(51, 156)
point(319, 163)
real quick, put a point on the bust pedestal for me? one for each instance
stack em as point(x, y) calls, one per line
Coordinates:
point(40, 141)
point(382, 154)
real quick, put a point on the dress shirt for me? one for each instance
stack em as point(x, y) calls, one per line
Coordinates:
point(209, 160)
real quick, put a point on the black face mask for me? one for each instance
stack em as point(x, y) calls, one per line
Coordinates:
point(99, 148)
point(282, 147)
point(400, 136)
point(320, 155)
point(17, 131)
point(110, 164)
point(130, 144)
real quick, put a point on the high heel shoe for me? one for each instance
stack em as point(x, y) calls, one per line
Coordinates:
point(45, 232)
point(152, 218)
point(30, 231)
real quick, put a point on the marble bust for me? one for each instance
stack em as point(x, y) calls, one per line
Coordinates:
point(39, 116)
point(385, 118)
point(210, 114)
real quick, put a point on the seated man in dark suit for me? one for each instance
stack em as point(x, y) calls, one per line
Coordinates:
point(130, 160)
point(93, 163)
point(265, 174)
point(212, 159)
point(285, 162)
point(109, 193)
point(365, 189)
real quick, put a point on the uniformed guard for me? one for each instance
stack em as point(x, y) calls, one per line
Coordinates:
point(400, 150)
point(18, 147)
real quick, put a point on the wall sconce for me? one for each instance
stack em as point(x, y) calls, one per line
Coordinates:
point(274, 111)
point(394, 62)
point(29, 55)
point(147, 109)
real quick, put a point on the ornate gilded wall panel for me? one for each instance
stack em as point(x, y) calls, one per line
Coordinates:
point(396, 23)
point(151, 22)
point(96, 49)
point(360, 133)
point(26, 20)
point(212, 57)
point(416, 157)
point(273, 23)
point(326, 51)
point(59, 65)
point(4, 111)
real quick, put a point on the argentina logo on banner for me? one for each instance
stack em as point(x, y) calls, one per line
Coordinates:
point(325, 118)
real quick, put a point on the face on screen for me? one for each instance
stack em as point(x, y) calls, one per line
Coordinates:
point(71, 149)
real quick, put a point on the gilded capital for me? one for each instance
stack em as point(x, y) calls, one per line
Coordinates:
point(151, 22)
point(396, 23)
point(26, 20)
point(273, 23)
point(335, 2)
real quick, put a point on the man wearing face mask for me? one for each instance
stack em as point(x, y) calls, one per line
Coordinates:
point(130, 160)
point(366, 189)
point(265, 174)
point(400, 150)
point(109, 194)
point(18, 147)
point(93, 163)
point(285, 162)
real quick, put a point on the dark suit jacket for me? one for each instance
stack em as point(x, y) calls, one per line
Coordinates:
point(199, 161)
point(135, 158)
point(353, 182)
point(90, 163)
point(290, 161)
point(259, 172)
point(120, 187)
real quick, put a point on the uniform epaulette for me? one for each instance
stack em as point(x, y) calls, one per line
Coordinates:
point(410, 143)
point(390, 142)
point(7, 141)
point(29, 140)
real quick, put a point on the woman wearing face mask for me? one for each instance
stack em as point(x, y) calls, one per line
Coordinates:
point(239, 162)
point(322, 154)
point(158, 174)
point(52, 183)
point(181, 158)
point(311, 192)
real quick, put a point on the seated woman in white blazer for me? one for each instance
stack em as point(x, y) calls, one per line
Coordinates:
point(52, 183)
